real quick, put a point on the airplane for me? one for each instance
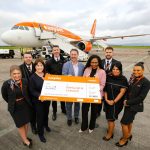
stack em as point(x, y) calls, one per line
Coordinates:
point(33, 34)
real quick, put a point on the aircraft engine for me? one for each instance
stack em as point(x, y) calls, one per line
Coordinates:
point(85, 46)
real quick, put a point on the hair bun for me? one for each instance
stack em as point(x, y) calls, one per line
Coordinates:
point(141, 62)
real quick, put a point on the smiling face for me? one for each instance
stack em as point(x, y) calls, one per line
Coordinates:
point(116, 71)
point(39, 67)
point(138, 71)
point(27, 59)
point(16, 75)
point(74, 56)
point(94, 63)
point(56, 52)
point(108, 53)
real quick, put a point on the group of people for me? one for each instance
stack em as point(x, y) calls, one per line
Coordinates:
point(23, 89)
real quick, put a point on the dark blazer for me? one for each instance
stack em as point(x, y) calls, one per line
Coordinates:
point(9, 95)
point(137, 93)
point(25, 72)
point(114, 61)
point(35, 86)
point(53, 67)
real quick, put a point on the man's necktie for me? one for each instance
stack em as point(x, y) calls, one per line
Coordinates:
point(57, 59)
point(107, 65)
point(29, 68)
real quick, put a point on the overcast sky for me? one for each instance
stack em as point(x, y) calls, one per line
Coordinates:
point(114, 17)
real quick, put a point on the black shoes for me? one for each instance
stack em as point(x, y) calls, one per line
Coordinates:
point(54, 116)
point(29, 139)
point(28, 145)
point(107, 139)
point(42, 138)
point(69, 122)
point(121, 145)
point(76, 120)
point(48, 129)
point(130, 137)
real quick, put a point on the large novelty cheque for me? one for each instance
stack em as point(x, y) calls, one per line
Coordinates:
point(71, 89)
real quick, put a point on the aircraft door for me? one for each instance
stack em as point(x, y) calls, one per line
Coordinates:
point(37, 29)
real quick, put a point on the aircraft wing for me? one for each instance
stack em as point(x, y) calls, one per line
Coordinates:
point(66, 47)
point(114, 37)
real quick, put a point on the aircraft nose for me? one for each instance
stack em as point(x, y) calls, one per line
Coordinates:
point(6, 37)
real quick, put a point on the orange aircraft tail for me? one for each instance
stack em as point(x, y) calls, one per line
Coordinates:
point(93, 29)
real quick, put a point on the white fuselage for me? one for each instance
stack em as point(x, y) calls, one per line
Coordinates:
point(23, 38)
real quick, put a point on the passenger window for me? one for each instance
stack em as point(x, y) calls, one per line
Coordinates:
point(14, 28)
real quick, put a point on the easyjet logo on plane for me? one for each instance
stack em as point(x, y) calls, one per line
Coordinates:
point(53, 29)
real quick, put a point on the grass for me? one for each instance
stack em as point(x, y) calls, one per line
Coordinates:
point(9, 47)
point(94, 46)
point(134, 47)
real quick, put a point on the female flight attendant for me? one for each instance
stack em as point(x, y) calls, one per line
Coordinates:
point(138, 90)
point(15, 93)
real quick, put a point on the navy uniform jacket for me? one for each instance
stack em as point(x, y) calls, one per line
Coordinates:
point(137, 93)
point(10, 97)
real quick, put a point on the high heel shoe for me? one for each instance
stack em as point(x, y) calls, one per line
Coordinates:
point(121, 145)
point(29, 139)
point(28, 145)
point(130, 137)
point(107, 139)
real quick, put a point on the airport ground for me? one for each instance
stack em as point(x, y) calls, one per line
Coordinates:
point(63, 137)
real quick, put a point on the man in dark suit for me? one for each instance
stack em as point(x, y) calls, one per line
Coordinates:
point(109, 61)
point(27, 69)
point(107, 65)
point(54, 66)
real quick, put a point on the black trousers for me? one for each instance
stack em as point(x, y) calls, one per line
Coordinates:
point(42, 111)
point(99, 108)
point(33, 116)
point(85, 110)
point(54, 105)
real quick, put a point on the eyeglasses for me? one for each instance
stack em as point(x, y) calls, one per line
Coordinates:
point(94, 62)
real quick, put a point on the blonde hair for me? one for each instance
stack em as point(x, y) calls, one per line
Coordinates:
point(14, 67)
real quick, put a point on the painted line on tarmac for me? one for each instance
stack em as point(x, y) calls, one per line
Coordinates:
point(135, 63)
point(6, 131)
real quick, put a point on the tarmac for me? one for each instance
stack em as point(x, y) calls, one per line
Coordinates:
point(63, 137)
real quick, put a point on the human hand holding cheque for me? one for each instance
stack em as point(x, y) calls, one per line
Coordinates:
point(70, 89)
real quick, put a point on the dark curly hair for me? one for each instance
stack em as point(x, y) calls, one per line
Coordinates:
point(88, 64)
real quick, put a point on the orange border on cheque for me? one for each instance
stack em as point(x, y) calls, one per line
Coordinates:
point(62, 78)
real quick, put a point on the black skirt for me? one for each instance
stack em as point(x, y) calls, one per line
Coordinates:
point(22, 113)
point(128, 116)
point(113, 111)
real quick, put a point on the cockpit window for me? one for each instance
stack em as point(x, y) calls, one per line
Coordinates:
point(20, 27)
point(14, 27)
